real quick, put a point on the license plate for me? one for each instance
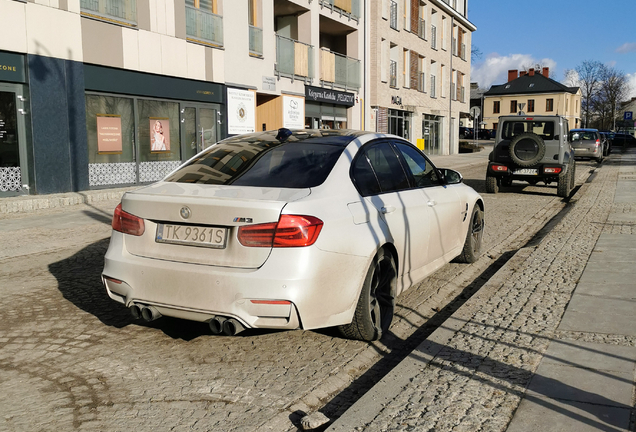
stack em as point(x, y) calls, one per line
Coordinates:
point(526, 171)
point(211, 237)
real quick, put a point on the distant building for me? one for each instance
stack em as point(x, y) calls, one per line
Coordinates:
point(627, 125)
point(532, 93)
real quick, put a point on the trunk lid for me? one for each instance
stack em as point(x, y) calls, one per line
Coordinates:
point(222, 209)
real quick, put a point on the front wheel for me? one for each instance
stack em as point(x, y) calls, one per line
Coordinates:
point(474, 237)
point(376, 303)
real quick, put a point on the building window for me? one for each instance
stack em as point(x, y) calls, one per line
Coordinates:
point(549, 105)
point(394, 14)
point(393, 73)
point(119, 11)
point(530, 105)
point(203, 22)
point(255, 30)
point(496, 107)
point(400, 123)
point(513, 106)
point(406, 62)
point(421, 83)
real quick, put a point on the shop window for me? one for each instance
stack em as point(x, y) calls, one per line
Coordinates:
point(110, 130)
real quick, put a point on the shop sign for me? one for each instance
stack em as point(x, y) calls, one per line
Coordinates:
point(396, 100)
point(269, 83)
point(293, 112)
point(12, 67)
point(109, 134)
point(241, 111)
point(319, 94)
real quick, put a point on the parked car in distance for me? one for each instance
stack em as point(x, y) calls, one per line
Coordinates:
point(465, 132)
point(623, 139)
point(587, 143)
point(291, 230)
point(607, 143)
point(531, 149)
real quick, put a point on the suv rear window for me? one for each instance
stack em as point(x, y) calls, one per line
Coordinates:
point(262, 163)
point(545, 129)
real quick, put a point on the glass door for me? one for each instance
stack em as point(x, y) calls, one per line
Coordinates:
point(13, 166)
point(201, 128)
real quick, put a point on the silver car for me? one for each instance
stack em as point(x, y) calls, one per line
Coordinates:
point(587, 143)
point(291, 230)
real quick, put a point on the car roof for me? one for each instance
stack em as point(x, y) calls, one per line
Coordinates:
point(341, 137)
point(584, 130)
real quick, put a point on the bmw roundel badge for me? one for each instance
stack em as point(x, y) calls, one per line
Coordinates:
point(185, 212)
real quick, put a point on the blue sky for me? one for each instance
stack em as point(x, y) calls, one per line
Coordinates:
point(559, 34)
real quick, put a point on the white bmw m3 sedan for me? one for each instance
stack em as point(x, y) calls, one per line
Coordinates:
point(291, 230)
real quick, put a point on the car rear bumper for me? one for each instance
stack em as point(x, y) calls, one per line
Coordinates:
point(321, 287)
point(588, 152)
point(522, 173)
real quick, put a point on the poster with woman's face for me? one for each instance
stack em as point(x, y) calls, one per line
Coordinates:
point(159, 134)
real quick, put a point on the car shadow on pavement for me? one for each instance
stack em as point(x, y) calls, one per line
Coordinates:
point(79, 281)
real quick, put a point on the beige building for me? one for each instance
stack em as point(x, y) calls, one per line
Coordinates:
point(420, 70)
point(532, 93)
point(87, 86)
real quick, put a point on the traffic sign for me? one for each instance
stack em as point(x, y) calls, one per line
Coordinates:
point(628, 115)
point(475, 111)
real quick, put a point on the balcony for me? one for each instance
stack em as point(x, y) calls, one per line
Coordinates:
point(339, 70)
point(393, 74)
point(294, 59)
point(256, 41)
point(204, 27)
point(349, 8)
point(119, 11)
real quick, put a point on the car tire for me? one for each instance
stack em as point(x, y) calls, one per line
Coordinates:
point(376, 304)
point(564, 183)
point(526, 149)
point(474, 237)
point(492, 185)
point(573, 176)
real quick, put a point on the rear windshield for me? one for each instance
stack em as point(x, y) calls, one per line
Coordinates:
point(262, 163)
point(582, 135)
point(545, 129)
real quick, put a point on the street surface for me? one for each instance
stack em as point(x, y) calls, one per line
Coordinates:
point(72, 359)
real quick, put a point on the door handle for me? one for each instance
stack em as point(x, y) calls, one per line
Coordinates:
point(431, 203)
point(389, 209)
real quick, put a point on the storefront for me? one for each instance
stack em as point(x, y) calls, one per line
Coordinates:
point(432, 133)
point(14, 123)
point(140, 127)
point(327, 108)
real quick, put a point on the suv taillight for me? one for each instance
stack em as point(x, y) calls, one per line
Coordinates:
point(597, 143)
point(289, 231)
point(126, 223)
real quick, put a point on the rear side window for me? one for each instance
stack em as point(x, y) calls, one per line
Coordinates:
point(511, 129)
point(261, 164)
point(379, 167)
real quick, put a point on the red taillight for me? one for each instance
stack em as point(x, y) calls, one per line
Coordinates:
point(597, 143)
point(551, 170)
point(271, 302)
point(289, 231)
point(499, 168)
point(127, 223)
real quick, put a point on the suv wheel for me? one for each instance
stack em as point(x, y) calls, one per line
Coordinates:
point(492, 185)
point(565, 182)
point(526, 149)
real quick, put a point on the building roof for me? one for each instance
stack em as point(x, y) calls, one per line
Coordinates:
point(525, 84)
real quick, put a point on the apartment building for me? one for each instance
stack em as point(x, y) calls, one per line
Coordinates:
point(420, 73)
point(533, 93)
point(110, 93)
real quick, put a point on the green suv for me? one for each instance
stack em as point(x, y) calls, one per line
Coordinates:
point(532, 149)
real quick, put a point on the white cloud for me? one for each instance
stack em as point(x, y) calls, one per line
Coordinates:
point(494, 70)
point(626, 48)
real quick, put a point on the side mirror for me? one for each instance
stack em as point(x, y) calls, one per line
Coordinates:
point(451, 176)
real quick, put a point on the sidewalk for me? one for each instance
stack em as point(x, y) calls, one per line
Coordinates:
point(33, 203)
point(547, 344)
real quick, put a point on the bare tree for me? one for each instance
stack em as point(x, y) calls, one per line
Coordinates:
point(590, 78)
point(475, 53)
point(614, 89)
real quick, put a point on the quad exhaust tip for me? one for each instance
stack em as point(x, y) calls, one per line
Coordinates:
point(147, 313)
point(227, 326)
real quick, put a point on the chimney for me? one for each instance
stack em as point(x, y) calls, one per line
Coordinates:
point(522, 73)
point(546, 72)
point(512, 74)
point(531, 72)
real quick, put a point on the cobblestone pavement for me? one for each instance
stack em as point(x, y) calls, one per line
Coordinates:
point(471, 374)
point(72, 359)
